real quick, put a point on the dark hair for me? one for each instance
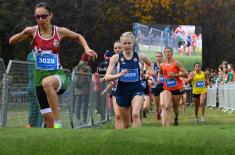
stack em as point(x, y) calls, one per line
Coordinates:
point(117, 41)
point(213, 71)
point(159, 53)
point(197, 63)
point(45, 6)
point(169, 48)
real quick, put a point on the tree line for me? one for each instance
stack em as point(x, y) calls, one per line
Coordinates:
point(103, 21)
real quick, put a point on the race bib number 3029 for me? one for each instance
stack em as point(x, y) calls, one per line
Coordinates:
point(46, 61)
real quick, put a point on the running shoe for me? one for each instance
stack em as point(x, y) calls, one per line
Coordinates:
point(28, 126)
point(176, 122)
point(57, 125)
point(203, 120)
point(196, 121)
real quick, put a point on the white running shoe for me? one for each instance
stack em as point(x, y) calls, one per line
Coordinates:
point(196, 121)
point(203, 119)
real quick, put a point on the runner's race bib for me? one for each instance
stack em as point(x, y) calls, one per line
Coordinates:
point(46, 61)
point(161, 81)
point(171, 82)
point(156, 69)
point(144, 84)
point(200, 84)
point(131, 76)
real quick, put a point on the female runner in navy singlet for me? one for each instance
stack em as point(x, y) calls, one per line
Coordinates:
point(129, 89)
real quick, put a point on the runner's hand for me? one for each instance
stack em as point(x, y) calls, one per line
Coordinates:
point(187, 82)
point(103, 92)
point(146, 76)
point(28, 31)
point(171, 74)
point(91, 53)
point(123, 72)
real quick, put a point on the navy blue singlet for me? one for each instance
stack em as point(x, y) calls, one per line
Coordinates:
point(130, 83)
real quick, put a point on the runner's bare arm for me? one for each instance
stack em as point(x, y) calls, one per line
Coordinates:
point(27, 33)
point(66, 33)
point(183, 72)
point(160, 73)
point(109, 86)
point(147, 61)
point(190, 77)
point(109, 76)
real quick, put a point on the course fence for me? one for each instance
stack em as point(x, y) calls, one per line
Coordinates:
point(222, 96)
point(150, 39)
point(80, 106)
point(2, 71)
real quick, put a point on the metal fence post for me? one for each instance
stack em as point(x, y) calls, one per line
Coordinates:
point(4, 99)
point(162, 37)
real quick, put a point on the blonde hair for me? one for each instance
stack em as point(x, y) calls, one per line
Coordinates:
point(127, 35)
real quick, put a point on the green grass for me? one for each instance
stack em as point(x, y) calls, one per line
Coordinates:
point(214, 137)
point(187, 61)
point(18, 116)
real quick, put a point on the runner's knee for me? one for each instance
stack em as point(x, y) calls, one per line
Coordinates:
point(202, 104)
point(135, 115)
point(167, 108)
point(118, 117)
point(46, 84)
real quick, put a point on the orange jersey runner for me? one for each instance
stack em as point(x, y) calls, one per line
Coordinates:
point(171, 82)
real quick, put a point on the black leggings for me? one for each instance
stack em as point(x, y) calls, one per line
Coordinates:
point(42, 97)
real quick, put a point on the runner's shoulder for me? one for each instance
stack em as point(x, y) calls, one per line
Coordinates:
point(114, 58)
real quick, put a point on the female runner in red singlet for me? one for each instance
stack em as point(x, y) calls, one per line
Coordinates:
point(50, 80)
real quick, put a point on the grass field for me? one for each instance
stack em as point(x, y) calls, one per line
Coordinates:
point(214, 137)
point(186, 61)
point(18, 116)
